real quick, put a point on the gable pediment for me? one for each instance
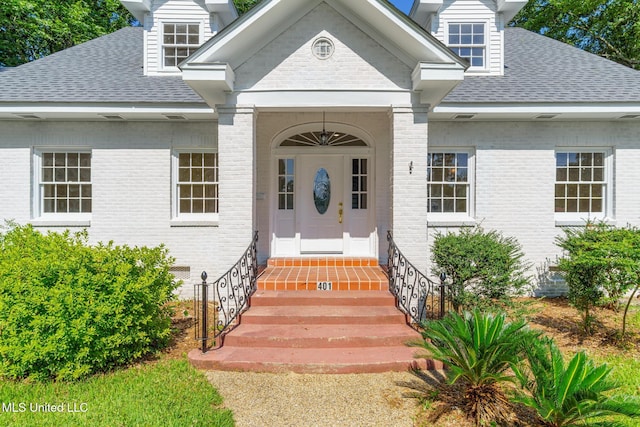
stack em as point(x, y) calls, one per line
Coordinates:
point(374, 42)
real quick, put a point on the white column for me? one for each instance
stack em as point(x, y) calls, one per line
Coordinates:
point(237, 172)
point(409, 183)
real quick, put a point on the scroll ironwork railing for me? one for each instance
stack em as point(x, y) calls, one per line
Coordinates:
point(418, 296)
point(231, 296)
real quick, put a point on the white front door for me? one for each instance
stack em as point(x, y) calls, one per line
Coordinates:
point(321, 204)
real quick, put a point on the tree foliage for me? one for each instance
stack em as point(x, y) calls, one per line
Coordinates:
point(32, 29)
point(609, 28)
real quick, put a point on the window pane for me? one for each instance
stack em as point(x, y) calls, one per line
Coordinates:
point(561, 159)
point(596, 205)
point(289, 201)
point(209, 160)
point(197, 191)
point(60, 174)
point(559, 205)
point(448, 205)
point(363, 201)
point(598, 159)
point(72, 175)
point(461, 191)
point(185, 206)
point(198, 206)
point(74, 205)
point(86, 191)
point(209, 175)
point(72, 159)
point(196, 175)
point(461, 205)
point(74, 191)
point(584, 205)
point(561, 175)
point(448, 190)
point(85, 175)
point(574, 174)
point(47, 159)
point(210, 206)
point(47, 174)
point(598, 174)
point(585, 174)
point(49, 205)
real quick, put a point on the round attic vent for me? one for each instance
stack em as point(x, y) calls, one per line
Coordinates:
point(322, 48)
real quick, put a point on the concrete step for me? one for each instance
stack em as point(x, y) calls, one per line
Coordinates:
point(320, 336)
point(312, 360)
point(308, 298)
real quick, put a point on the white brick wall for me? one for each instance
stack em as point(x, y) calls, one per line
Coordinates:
point(131, 174)
point(515, 175)
point(357, 63)
point(236, 133)
point(409, 185)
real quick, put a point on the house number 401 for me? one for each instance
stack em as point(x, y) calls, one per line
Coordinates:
point(325, 286)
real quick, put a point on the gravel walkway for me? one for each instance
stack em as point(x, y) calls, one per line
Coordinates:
point(297, 400)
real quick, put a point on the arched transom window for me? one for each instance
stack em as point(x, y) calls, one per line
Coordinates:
point(323, 138)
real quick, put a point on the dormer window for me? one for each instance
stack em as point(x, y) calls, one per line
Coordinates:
point(468, 41)
point(179, 41)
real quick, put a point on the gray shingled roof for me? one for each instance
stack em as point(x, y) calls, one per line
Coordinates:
point(106, 69)
point(539, 70)
point(109, 69)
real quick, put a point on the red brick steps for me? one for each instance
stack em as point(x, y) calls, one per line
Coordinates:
point(317, 332)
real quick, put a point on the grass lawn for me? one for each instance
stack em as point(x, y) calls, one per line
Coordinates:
point(167, 392)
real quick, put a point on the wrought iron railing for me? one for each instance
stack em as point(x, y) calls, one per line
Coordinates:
point(417, 295)
point(231, 296)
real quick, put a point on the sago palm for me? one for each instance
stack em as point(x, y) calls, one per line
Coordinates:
point(575, 394)
point(478, 349)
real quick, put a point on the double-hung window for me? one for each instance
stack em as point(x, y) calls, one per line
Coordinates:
point(582, 188)
point(63, 185)
point(196, 178)
point(450, 184)
point(179, 40)
point(468, 40)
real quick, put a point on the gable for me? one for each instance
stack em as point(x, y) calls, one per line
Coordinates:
point(357, 62)
point(268, 49)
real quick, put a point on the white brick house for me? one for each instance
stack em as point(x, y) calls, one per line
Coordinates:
point(201, 127)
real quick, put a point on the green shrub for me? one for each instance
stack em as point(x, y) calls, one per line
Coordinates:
point(478, 349)
point(601, 264)
point(572, 394)
point(68, 310)
point(481, 266)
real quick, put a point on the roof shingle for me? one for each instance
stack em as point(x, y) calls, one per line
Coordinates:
point(109, 69)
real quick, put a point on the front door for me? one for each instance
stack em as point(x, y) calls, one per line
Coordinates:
point(321, 204)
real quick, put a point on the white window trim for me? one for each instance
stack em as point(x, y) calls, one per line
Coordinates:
point(175, 70)
point(449, 219)
point(190, 220)
point(487, 43)
point(39, 218)
point(570, 219)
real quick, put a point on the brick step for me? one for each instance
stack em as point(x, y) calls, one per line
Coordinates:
point(307, 298)
point(320, 336)
point(317, 332)
point(322, 262)
point(312, 360)
point(342, 278)
point(322, 315)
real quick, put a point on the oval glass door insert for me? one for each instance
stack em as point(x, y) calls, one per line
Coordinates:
point(322, 191)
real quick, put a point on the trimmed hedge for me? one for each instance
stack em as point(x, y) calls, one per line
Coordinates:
point(68, 310)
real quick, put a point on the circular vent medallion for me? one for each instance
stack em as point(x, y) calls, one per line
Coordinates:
point(322, 48)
